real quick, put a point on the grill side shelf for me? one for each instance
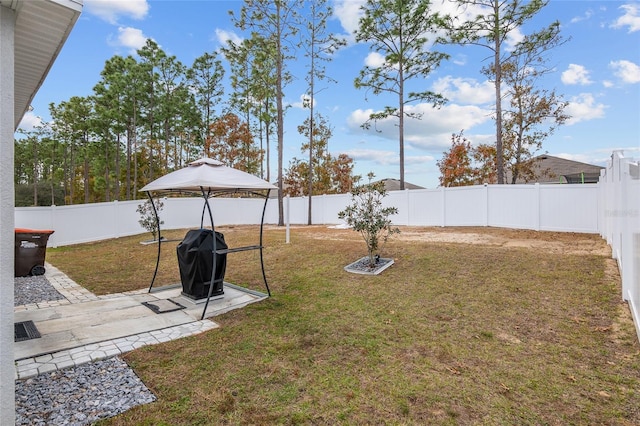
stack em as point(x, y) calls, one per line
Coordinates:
point(238, 249)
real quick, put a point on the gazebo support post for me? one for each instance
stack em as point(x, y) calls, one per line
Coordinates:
point(204, 208)
point(264, 209)
point(155, 213)
point(215, 248)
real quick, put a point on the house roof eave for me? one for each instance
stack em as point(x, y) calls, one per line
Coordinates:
point(41, 29)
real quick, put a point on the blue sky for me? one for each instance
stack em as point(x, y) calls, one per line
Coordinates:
point(597, 71)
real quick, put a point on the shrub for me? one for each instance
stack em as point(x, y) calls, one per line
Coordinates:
point(367, 216)
point(147, 218)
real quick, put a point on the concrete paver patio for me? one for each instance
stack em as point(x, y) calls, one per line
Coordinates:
point(85, 327)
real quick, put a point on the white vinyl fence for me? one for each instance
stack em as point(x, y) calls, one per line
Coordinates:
point(619, 218)
point(570, 208)
point(83, 223)
point(610, 208)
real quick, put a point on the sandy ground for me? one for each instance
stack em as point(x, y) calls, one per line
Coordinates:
point(554, 242)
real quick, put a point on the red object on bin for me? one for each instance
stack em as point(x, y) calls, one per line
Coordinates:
point(33, 231)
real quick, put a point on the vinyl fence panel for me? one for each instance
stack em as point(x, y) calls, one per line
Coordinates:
point(513, 206)
point(465, 206)
point(82, 223)
point(569, 208)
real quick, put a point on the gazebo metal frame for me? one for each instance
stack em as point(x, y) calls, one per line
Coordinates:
point(260, 189)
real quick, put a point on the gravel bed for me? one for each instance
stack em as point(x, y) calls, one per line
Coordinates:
point(80, 395)
point(34, 289)
point(365, 266)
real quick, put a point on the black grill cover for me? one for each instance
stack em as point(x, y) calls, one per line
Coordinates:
point(195, 260)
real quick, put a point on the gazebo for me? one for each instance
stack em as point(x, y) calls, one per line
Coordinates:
point(210, 178)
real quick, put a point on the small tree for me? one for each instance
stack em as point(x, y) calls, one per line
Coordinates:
point(367, 216)
point(455, 166)
point(147, 218)
point(465, 164)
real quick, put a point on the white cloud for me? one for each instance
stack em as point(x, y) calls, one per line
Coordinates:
point(383, 158)
point(358, 117)
point(225, 36)
point(583, 108)
point(514, 37)
point(627, 71)
point(305, 99)
point(470, 12)
point(459, 59)
point(110, 11)
point(30, 121)
point(598, 156)
point(576, 74)
point(588, 14)
point(582, 158)
point(461, 13)
point(607, 84)
point(467, 90)
point(131, 38)
point(630, 18)
point(348, 13)
point(432, 131)
point(417, 159)
point(374, 60)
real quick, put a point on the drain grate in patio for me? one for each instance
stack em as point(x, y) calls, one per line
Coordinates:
point(25, 330)
point(162, 306)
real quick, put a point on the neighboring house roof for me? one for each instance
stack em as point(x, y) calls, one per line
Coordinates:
point(41, 29)
point(389, 185)
point(394, 184)
point(552, 169)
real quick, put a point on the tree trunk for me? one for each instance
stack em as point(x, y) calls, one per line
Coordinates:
point(267, 140)
point(85, 178)
point(280, 113)
point(35, 172)
point(72, 174)
point(107, 189)
point(134, 135)
point(498, 82)
point(117, 165)
point(128, 177)
point(401, 110)
point(310, 175)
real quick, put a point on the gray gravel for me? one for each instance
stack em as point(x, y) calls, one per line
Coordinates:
point(77, 395)
point(80, 395)
point(365, 266)
point(34, 289)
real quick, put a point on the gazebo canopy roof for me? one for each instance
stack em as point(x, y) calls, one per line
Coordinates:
point(209, 175)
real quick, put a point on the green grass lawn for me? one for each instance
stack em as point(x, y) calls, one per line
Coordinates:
point(451, 334)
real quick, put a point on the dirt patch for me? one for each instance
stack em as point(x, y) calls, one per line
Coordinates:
point(550, 242)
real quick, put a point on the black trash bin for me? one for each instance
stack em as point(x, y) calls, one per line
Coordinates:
point(195, 260)
point(30, 251)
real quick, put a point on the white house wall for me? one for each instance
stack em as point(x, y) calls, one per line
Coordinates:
point(7, 369)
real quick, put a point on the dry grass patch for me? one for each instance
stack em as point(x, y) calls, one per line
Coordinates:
point(453, 333)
